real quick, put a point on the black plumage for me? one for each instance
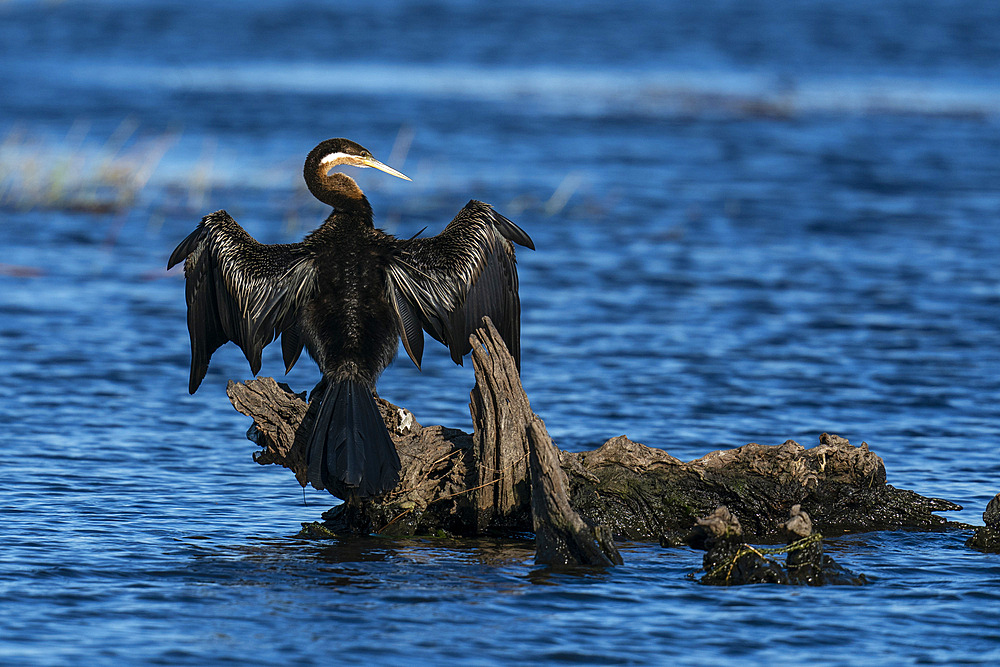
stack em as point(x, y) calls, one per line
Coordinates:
point(347, 293)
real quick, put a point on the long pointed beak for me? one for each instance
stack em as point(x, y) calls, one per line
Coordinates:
point(372, 162)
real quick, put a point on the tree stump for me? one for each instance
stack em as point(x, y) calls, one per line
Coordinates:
point(500, 413)
point(480, 483)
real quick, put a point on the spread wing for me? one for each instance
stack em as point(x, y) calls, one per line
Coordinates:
point(242, 291)
point(445, 284)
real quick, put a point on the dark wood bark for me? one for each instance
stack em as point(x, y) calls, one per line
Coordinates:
point(562, 537)
point(500, 415)
point(987, 538)
point(480, 483)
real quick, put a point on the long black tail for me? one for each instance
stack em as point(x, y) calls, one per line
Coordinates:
point(350, 443)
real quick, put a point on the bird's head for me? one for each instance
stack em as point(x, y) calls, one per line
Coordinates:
point(331, 188)
point(333, 152)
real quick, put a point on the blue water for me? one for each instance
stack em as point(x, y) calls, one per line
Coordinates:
point(755, 221)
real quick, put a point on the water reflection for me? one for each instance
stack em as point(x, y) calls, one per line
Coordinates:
point(368, 561)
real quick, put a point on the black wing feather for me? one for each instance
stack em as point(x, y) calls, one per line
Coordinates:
point(291, 346)
point(242, 291)
point(410, 325)
point(448, 282)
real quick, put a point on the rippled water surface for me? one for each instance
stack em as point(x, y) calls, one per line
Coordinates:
point(755, 221)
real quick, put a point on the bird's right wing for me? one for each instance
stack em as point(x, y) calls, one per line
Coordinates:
point(242, 291)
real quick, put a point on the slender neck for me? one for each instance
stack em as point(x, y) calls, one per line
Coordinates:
point(341, 192)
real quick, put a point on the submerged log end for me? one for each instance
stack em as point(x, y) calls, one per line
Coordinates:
point(987, 538)
point(730, 561)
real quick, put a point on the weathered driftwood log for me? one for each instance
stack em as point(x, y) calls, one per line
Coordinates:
point(633, 489)
point(476, 484)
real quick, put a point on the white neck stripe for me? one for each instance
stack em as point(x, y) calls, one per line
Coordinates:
point(337, 157)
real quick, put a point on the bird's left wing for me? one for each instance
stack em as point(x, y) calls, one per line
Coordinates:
point(242, 291)
point(445, 284)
